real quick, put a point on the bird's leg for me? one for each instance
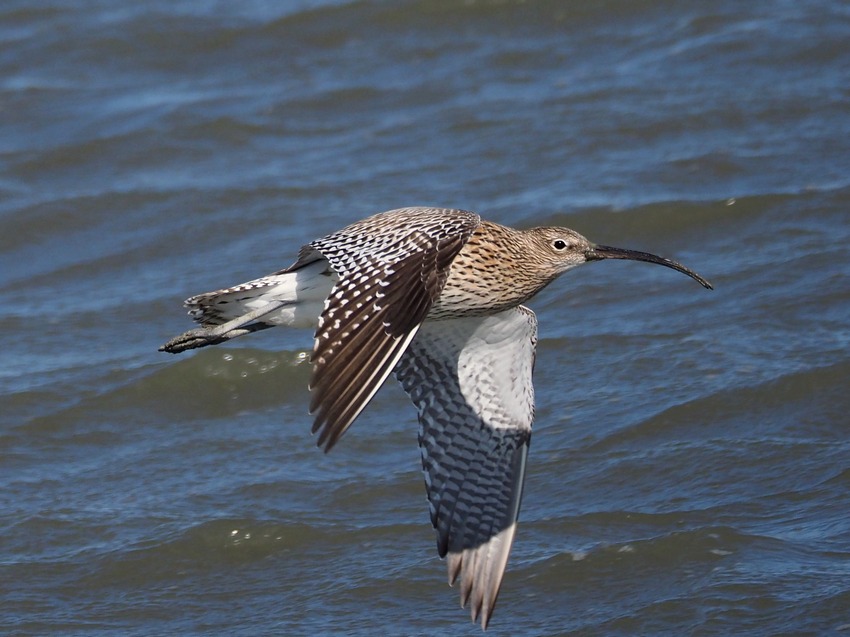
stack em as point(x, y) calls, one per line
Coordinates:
point(215, 334)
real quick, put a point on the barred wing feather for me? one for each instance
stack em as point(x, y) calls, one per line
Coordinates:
point(470, 379)
point(391, 268)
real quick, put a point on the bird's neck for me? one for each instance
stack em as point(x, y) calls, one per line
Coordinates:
point(493, 272)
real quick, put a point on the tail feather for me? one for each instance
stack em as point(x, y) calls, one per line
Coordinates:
point(216, 307)
point(220, 306)
point(302, 292)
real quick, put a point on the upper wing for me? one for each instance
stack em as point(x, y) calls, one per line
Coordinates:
point(470, 379)
point(391, 268)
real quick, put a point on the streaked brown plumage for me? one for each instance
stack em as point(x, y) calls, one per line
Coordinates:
point(436, 295)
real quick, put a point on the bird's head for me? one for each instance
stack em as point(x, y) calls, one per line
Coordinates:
point(562, 249)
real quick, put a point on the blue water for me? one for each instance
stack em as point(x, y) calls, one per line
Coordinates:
point(690, 464)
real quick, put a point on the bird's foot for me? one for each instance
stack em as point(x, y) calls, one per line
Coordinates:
point(215, 334)
point(209, 335)
point(198, 337)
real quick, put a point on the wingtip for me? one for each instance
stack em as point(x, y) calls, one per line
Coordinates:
point(481, 570)
point(329, 434)
point(454, 562)
point(484, 613)
point(485, 620)
point(325, 441)
point(325, 446)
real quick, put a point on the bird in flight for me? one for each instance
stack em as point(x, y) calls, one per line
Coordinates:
point(436, 296)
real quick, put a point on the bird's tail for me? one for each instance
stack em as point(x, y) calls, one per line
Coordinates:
point(220, 306)
point(294, 296)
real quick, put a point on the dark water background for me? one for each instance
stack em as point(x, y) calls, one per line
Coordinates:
point(690, 467)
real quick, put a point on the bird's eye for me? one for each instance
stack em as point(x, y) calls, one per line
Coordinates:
point(559, 244)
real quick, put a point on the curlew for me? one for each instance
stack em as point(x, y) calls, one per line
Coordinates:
point(437, 296)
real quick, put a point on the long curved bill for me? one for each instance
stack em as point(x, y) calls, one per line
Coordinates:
point(597, 253)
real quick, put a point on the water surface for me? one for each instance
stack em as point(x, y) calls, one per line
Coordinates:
point(690, 463)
